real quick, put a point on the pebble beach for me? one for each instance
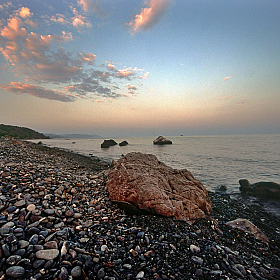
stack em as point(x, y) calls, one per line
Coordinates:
point(57, 222)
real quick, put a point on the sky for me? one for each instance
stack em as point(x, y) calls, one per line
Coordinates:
point(141, 68)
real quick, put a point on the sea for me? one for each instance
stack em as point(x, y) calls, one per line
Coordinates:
point(214, 160)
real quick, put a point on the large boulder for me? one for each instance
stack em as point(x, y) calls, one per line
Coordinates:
point(108, 143)
point(261, 189)
point(142, 184)
point(162, 141)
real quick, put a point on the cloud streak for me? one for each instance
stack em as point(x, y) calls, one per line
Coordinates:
point(149, 16)
point(34, 90)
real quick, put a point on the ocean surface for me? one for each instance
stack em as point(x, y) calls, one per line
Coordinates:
point(214, 160)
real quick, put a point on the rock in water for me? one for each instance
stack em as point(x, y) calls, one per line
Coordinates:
point(108, 143)
point(142, 184)
point(123, 143)
point(162, 141)
point(247, 226)
point(261, 189)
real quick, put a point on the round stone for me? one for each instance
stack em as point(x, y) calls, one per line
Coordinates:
point(8, 225)
point(36, 212)
point(23, 244)
point(127, 266)
point(38, 263)
point(77, 215)
point(101, 273)
point(69, 213)
point(48, 254)
point(11, 209)
point(49, 211)
point(4, 231)
point(104, 248)
point(15, 271)
point(76, 271)
point(194, 248)
point(140, 275)
point(51, 245)
point(31, 207)
point(20, 203)
point(197, 260)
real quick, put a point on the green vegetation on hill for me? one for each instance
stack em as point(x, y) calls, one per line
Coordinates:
point(10, 131)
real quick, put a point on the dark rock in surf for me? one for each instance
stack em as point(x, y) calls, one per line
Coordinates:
point(261, 189)
point(108, 143)
point(123, 143)
point(162, 141)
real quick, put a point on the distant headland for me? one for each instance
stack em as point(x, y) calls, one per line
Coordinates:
point(17, 132)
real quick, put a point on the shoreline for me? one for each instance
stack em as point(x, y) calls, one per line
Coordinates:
point(68, 191)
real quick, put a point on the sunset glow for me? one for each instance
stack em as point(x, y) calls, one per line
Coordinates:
point(118, 68)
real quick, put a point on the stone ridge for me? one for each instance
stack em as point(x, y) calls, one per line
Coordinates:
point(141, 183)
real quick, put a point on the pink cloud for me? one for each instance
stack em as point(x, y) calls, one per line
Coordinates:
point(34, 90)
point(226, 78)
point(25, 12)
point(150, 15)
point(79, 21)
point(59, 18)
point(111, 67)
point(88, 57)
point(124, 73)
point(130, 88)
point(145, 76)
point(13, 31)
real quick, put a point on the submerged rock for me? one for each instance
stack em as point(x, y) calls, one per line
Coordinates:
point(162, 141)
point(141, 183)
point(262, 189)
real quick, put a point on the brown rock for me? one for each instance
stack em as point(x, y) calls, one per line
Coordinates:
point(249, 227)
point(142, 184)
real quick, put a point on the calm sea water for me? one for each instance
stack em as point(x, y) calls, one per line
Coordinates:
point(214, 160)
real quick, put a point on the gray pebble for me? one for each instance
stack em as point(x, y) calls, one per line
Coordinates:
point(101, 273)
point(197, 260)
point(15, 271)
point(48, 254)
point(76, 271)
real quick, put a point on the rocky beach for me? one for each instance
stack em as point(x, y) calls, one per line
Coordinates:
point(57, 222)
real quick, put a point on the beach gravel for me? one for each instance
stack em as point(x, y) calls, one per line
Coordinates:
point(57, 222)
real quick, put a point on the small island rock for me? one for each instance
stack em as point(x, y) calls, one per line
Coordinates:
point(123, 143)
point(108, 143)
point(162, 141)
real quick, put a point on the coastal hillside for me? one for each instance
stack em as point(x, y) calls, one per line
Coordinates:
point(10, 131)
